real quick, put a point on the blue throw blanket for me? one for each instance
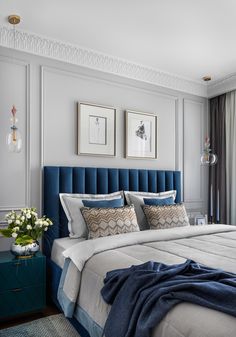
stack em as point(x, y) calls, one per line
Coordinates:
point(142, 295)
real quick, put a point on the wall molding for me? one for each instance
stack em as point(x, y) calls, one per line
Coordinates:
point(62, 72)
point(222, 86)
point(95, 78)
point(49, 69)
point(69, 53)
point(26, 65)
point(194, 204)
point(177, 136)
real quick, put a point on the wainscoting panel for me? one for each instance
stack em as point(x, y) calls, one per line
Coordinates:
point(14, 177)
point(61, 91)
point(46, 93)
point(194, 173)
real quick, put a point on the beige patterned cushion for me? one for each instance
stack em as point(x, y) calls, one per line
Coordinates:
point(136, 199)
point(110, 221)
point(72, 203)
point(168, 216)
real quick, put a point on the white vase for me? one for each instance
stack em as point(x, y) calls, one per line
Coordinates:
point(25, 251)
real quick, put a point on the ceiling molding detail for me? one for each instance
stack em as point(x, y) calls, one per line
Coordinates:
point(42, 46)
point(221, 86)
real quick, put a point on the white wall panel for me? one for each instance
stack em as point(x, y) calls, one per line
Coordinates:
point(55, 88)
point(194, 173)
point(14, 166)
point(62, 91)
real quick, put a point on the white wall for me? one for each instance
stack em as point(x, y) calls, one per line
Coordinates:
point(46, 95)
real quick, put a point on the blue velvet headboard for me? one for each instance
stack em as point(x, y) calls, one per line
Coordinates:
point(98, 181)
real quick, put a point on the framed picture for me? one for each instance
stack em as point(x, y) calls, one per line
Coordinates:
point(200, 220)
point(141, 135)
point(96, 130)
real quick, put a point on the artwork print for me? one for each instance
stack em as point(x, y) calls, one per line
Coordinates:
point(140, 135)
point(143, 135)
point(97, 130)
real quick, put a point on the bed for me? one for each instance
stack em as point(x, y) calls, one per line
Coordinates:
point(211, 245)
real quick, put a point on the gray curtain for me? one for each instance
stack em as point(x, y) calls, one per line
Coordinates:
point(217, 173)
point(231, 156)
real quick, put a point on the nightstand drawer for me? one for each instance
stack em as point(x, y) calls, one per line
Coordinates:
point(22, 273)
point(21, 300)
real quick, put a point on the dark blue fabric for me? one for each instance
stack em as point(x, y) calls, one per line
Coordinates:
point(51, 204)
point(113, 180)
point(143, 180)
point(53, 280)
point(104, 203)
point(158, 202)
point(142, 295)
point(161, 181)
point(59, 179)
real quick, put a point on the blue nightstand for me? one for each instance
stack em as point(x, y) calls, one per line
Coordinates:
point(22, 284)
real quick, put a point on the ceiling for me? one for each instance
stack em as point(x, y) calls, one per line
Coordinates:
point(187, 38)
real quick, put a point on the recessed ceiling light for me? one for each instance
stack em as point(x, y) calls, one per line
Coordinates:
point(207, 78)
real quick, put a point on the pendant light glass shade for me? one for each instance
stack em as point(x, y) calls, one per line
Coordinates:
point(208, 158)
point(14, 140)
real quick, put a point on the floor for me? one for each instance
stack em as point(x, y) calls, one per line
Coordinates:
point(50, 309)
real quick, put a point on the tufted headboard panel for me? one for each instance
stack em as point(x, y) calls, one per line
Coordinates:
point(60, 179)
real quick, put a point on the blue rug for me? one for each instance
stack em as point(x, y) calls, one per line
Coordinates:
point(51, 326)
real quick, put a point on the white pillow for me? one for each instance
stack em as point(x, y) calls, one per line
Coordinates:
point(72, 203)
point(136, 199)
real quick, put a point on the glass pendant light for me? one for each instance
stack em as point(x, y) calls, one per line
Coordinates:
point(14, 140)
point(208, 158)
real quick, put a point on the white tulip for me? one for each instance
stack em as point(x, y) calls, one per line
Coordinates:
point(45, 229)
point(9, 222)
point(23, 218)
point(16, 229)
point(18, 222)
point(29, 227)
point(14, 235)
point(28, 215)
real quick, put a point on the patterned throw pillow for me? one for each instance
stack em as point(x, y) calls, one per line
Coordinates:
point(136, 199)
point(72, 203)
point(110, 221)
point(167, 216)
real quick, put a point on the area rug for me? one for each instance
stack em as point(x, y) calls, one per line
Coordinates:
point(51, 326)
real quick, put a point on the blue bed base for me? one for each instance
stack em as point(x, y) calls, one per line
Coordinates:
point(60, 179)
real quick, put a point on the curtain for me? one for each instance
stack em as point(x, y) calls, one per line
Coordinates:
point(217, 173)
point(230, 124)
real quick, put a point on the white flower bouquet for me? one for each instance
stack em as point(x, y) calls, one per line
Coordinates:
point(25, 227)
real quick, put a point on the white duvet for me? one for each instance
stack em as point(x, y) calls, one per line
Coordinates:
point(212, 245)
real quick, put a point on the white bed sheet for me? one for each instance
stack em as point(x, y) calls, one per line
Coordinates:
point(59, 246)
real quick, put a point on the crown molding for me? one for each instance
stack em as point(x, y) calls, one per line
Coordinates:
point(221, 86)
point(43, 46)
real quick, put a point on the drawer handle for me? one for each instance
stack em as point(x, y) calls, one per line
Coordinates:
point(16, 290)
